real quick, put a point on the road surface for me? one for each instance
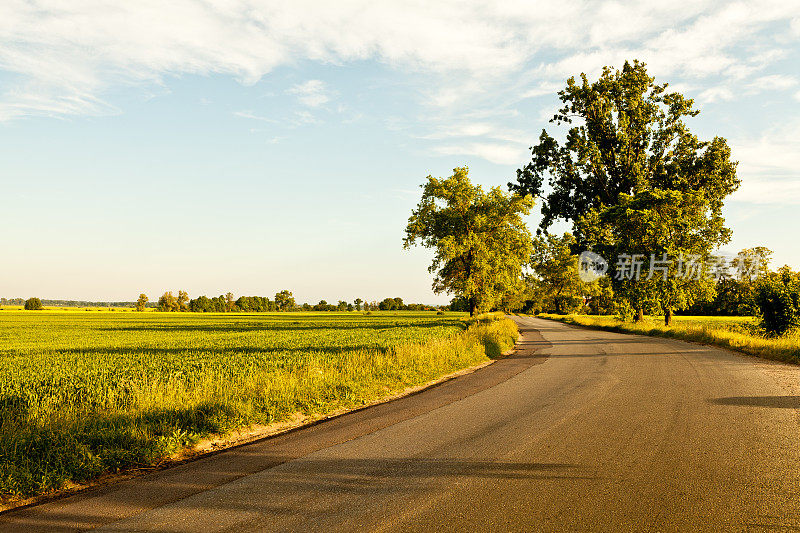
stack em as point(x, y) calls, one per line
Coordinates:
point(581, 430)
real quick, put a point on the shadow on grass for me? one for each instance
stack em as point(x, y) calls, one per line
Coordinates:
point(240, 350)
point(40, 457)
point(242, 327)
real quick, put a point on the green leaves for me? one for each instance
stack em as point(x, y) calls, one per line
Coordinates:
point(632, 178)
point(777, 296)
point(480, 240)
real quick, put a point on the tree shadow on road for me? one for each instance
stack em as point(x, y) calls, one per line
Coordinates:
point(780, 402)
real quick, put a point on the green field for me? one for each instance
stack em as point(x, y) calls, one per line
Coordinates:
point(82, 393)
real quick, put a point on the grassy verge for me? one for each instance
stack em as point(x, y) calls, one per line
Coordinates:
point(79, 399)
point(711, 330)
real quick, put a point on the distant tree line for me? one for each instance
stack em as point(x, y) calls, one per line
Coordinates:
point(283, 301)
point(70, 303)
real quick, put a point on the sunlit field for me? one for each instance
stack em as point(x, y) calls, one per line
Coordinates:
point(82, 393)
point(738, 333)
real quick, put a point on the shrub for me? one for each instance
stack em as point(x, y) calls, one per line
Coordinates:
point(778, 301)
point(33, 304)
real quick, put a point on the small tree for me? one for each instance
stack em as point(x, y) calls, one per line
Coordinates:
point(480, 239)
point(230, 302)
point(778, 301)
point(558, 283)
point(182, 301)
point(141, 303)
point(33, 304)
point(358, 303)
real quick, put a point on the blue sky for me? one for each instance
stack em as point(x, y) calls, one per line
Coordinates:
point(257, 146)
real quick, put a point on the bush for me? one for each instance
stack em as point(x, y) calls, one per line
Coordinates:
point(778, 300)
point(33, 304)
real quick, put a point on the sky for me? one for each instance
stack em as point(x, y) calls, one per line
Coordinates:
point(243, 146)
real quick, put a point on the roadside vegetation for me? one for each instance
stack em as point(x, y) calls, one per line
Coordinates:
point(84, 394)
point(737, 333)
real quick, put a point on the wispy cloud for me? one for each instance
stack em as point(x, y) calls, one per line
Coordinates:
point(252, 116)
point(768, 166)
point(715, 94)
point(312, 93)
point(474, 65)
point(500, 153)
point(773, 82)
point(62, 58)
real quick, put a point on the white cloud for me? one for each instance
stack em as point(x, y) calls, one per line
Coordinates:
point(715, 94)
point(499, 153)
point(542, 89)
point(477, 129)
point(773, 82)
point(769, 166)
point(305, 117)
point(312, 93)
point(62, 58)
point(252, 116)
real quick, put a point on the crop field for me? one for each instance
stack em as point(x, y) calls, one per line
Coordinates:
point(83, 393)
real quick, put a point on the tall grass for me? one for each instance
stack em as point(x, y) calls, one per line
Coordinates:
point(81, 394)
point(737, 333)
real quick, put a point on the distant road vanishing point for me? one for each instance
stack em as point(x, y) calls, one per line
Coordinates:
point(580, 430)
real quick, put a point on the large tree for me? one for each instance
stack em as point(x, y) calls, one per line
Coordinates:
point(141, 303)
point(628, 151)
point(480, 239)
point(168, 302)
point(284, 301)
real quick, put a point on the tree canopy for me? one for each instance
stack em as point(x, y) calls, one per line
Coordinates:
point(633, 180)
point(479, 238)
point(141, 303)
point(33, 304)
point(777, 295)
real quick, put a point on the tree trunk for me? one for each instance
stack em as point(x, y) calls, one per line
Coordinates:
point(668, 317)
point(639, 314)
point(473, 306)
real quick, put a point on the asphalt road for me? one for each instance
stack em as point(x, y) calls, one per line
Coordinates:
point(581, 430)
